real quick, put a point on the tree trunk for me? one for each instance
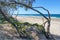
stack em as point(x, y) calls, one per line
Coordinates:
point(1, 12)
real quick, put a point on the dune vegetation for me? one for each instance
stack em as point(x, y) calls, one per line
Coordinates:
point(25, 28)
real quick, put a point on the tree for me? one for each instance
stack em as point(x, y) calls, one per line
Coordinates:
point(21, 3)
point(6, 4)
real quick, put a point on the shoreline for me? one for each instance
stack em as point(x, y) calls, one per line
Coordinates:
point(36, 18)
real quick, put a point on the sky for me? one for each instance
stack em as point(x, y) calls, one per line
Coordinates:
point(52, 5)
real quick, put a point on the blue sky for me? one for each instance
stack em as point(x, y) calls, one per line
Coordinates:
point(52, 5)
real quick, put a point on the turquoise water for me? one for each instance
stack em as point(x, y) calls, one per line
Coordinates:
point(52, 15)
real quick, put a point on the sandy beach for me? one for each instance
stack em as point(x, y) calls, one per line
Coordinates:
point(55, 23)
point(54, 28)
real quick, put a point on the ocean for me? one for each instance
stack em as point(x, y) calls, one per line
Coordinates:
point(52, 15)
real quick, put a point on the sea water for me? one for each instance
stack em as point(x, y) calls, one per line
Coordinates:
point(52, 15)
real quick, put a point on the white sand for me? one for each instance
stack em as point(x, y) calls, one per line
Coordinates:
point(54, 28)
point(30, 19)
point(55, 23)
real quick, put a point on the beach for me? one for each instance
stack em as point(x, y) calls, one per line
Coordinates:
point(54, 27)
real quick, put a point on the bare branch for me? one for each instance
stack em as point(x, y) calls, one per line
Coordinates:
point(29, 7)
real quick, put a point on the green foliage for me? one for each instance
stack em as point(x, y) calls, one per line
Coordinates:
point(2, 19)
point(27, 2)
point(35, 24)
point(22, 27)
point(2, 4)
